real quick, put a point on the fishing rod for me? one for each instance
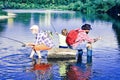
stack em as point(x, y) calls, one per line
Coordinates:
point(23, 44)
point(53, 27)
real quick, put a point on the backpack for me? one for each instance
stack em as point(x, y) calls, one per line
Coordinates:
point(71, 36)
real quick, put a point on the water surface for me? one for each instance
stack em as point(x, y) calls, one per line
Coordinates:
point(14, 59)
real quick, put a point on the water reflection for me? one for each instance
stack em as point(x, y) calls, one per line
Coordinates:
point(14, 60)
point(47, 71)
point(116, 28)
point(79, 71)
point(42, 71)
point(2, 23)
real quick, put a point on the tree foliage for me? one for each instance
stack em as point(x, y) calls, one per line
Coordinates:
point(85, 6)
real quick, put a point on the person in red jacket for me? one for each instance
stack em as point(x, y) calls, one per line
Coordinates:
point(84, 41)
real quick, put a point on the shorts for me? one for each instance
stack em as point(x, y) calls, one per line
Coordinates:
point(63, 46)
point(79, 46)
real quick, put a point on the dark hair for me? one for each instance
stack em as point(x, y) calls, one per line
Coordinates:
point(86, 27)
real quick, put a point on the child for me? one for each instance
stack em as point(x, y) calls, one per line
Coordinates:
point(62, 39)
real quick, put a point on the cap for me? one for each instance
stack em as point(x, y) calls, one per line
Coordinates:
point(34, 27)
point(86, 27)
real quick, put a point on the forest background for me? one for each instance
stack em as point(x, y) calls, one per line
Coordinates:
point(84, 6)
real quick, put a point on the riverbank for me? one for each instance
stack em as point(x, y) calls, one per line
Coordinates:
point(9, 15)
point(36, 11)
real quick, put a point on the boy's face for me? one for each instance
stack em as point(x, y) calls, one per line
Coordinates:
point(87, 31)
point(34, 31)
point(64, 32)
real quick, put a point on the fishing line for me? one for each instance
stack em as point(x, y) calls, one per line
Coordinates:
point(23, 44)
point(53, 27)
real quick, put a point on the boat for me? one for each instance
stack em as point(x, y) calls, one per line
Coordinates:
point(9, 15)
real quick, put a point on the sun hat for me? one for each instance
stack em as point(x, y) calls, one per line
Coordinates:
point(34, 27)
point(86, 27)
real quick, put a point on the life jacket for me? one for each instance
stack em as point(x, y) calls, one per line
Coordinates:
point(72, 36)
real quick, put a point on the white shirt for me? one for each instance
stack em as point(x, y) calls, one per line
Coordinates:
point(62, 40)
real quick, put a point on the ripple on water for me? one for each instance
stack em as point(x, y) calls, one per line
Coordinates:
point(19, 59)
point(12, 66)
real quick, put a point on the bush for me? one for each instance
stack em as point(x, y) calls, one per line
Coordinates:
point(2, 13)
point(85, 6)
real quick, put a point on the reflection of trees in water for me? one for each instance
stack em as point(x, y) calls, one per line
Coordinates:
point(23, 18)
point(2, 23)
point(116, 28)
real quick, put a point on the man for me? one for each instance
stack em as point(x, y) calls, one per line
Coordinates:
point(82, 41)
point(42, 43)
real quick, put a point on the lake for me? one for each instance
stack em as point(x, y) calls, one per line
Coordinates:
point(14, 59)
